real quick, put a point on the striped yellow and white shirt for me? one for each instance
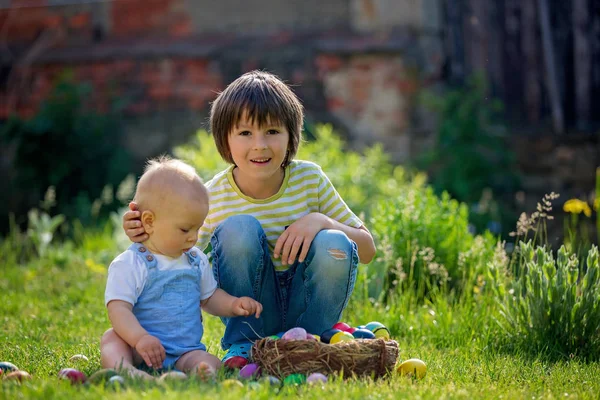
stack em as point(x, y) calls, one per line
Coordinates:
point(305, 189)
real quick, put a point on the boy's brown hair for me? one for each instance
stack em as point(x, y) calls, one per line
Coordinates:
point(265, 99)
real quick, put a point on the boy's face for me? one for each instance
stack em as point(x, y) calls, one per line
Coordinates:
point(174, 228)
point(258, 151)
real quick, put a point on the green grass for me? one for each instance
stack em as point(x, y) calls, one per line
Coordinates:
point(53, 308)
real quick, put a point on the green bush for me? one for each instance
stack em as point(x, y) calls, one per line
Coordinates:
point(470, 158)
point(424, 244)
point(550, 304)
point(67, 147)
point(361, 179)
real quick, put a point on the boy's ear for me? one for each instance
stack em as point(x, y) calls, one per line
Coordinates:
point(147, 219)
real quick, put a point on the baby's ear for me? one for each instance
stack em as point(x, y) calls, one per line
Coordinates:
point(148, 218)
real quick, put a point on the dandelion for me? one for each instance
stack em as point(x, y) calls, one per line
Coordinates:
point(576, 206)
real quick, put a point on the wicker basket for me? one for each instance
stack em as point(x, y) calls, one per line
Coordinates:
point(361, 357)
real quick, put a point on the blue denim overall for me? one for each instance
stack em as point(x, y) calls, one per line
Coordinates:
point(169, 306)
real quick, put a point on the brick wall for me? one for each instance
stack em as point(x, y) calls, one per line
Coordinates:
point(357, 63)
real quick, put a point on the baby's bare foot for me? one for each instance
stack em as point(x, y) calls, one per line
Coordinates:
point(205, 372)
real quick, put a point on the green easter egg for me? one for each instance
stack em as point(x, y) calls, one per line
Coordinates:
point(294, 379)
point(102, 375)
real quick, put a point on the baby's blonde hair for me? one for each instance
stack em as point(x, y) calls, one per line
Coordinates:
point(165, 178)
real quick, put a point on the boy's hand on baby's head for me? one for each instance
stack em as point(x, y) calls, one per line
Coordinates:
point(151, 350)
point(132, 225)
point(245, 306)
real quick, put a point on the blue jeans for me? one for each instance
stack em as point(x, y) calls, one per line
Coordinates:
point(311, 294)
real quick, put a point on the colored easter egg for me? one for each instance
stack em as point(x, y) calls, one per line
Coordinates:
point(413, 367)
point(316, 377)
point(231, 383)
point(79, 357)
point(271, 380)
point(6, 367)
point(235, 362)
point(295, 334)
point(316, 337)
point(382, 333)
point(351, 330)
point(341, 337)
point(249, 371)
point(274, 337)
point(18, 376)
point(363, 334)
point(342, 326)
point(73, 375)
point(361, 327)
point(294, 379)
point(102, 375)
point(280, 334)
point(173, 376)
point(116, 381)
point(327, 335)
point(374, 325)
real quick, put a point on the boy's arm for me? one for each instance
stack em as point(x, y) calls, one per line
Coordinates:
point(129, 329)
point(223, 304)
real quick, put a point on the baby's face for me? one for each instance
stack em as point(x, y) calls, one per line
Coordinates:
point(176, 226)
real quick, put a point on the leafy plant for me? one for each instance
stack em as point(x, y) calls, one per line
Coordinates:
point(41, 229)
point(550, 304)
point(424, 243)
point(68, 147)
point(470, 155)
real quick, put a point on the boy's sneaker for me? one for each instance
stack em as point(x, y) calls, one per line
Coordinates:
point(238, 355)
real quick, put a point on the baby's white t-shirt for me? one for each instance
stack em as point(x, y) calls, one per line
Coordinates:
point(127, 275)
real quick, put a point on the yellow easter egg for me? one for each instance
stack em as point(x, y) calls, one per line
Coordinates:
point(341, 337)
point(382, 333)
point(413, 367)
point(172, 376)
point(231, 383)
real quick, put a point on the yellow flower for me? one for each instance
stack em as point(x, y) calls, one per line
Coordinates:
point(597, 204)
point(576, 206)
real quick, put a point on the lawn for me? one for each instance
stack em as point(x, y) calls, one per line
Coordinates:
point(52, 308)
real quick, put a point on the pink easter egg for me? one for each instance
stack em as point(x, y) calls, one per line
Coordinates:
point(249, 371)
point(342, 326)
point(73, 375)
point(316, 378)
point(295, 334)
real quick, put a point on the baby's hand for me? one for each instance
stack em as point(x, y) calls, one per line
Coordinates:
point(133, 226)
point(244, 306)
point(151, 350)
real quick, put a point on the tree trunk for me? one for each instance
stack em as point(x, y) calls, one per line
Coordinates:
point(513, 60)
point(551, 81)
point(531, 70)
point(455, 40)
point(582, 60)
point(477, 38)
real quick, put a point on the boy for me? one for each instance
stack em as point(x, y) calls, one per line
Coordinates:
point(155, 288)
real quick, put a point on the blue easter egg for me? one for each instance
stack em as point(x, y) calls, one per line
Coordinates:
point(6, 366)
point(374, 325)
point(328, 334)
point(363, 334)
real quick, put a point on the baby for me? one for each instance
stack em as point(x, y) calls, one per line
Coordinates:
point(155, 289)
